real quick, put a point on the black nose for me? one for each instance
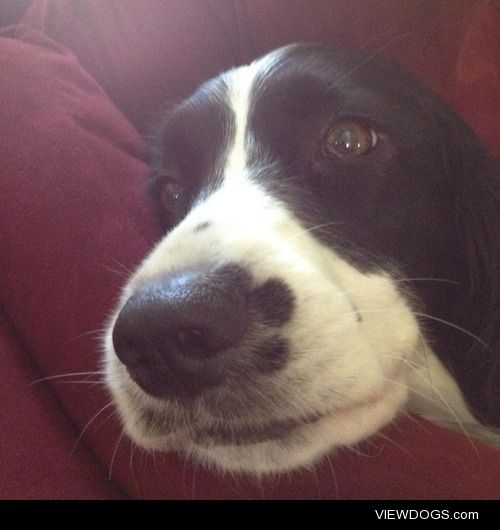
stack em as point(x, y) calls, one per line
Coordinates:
point(172, 333)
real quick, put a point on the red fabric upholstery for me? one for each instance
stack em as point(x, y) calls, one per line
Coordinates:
point(39, 453)
point(74, 93)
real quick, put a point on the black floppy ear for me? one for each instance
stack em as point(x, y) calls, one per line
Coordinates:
point(479, 215)
point(474, 184)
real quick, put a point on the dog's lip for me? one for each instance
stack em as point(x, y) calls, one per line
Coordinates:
point(275, 430)
point(280, 430)
point(251, 434)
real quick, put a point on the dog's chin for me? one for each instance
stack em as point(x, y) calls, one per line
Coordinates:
point(277, 447)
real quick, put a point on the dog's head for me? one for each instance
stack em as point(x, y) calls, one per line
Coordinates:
point(316, 247)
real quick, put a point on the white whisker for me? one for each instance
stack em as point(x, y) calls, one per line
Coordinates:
point(334, 476)
point(455, 326)
point(110, 404)
point(396, 444)
point(439, 280)
point(61, 376)
point(312, 229)
point(440, 401)
point(424, 315)
point(117, 445)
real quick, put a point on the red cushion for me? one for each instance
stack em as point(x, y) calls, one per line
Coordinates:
point(74, 219)
point(40, 454)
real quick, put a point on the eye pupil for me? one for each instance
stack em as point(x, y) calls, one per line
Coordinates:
point(349, 139)
point(346, 140)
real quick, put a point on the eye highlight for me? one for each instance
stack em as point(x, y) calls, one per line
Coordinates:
point(171, 194)
point(349, 139)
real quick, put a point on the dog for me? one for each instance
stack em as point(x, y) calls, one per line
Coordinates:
point(331, 258)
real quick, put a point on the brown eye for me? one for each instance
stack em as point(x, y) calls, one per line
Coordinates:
point(170, 194)
point(349, 139)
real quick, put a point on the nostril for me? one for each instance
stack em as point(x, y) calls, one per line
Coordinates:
point(128, 336)
point(191, 343)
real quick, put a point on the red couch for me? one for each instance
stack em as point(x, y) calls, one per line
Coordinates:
point(81, 82)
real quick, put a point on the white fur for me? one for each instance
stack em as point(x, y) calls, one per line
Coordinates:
point(355, 375)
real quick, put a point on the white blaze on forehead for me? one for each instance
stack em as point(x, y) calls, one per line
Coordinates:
point(241, 81)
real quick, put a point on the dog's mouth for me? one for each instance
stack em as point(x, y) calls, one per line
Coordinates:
point(165, 430)
point(273, 431)
point(156, 426)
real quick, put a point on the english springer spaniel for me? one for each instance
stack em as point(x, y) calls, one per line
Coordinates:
point(331, 258)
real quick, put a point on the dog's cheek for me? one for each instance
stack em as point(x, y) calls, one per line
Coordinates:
point(353, 334)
